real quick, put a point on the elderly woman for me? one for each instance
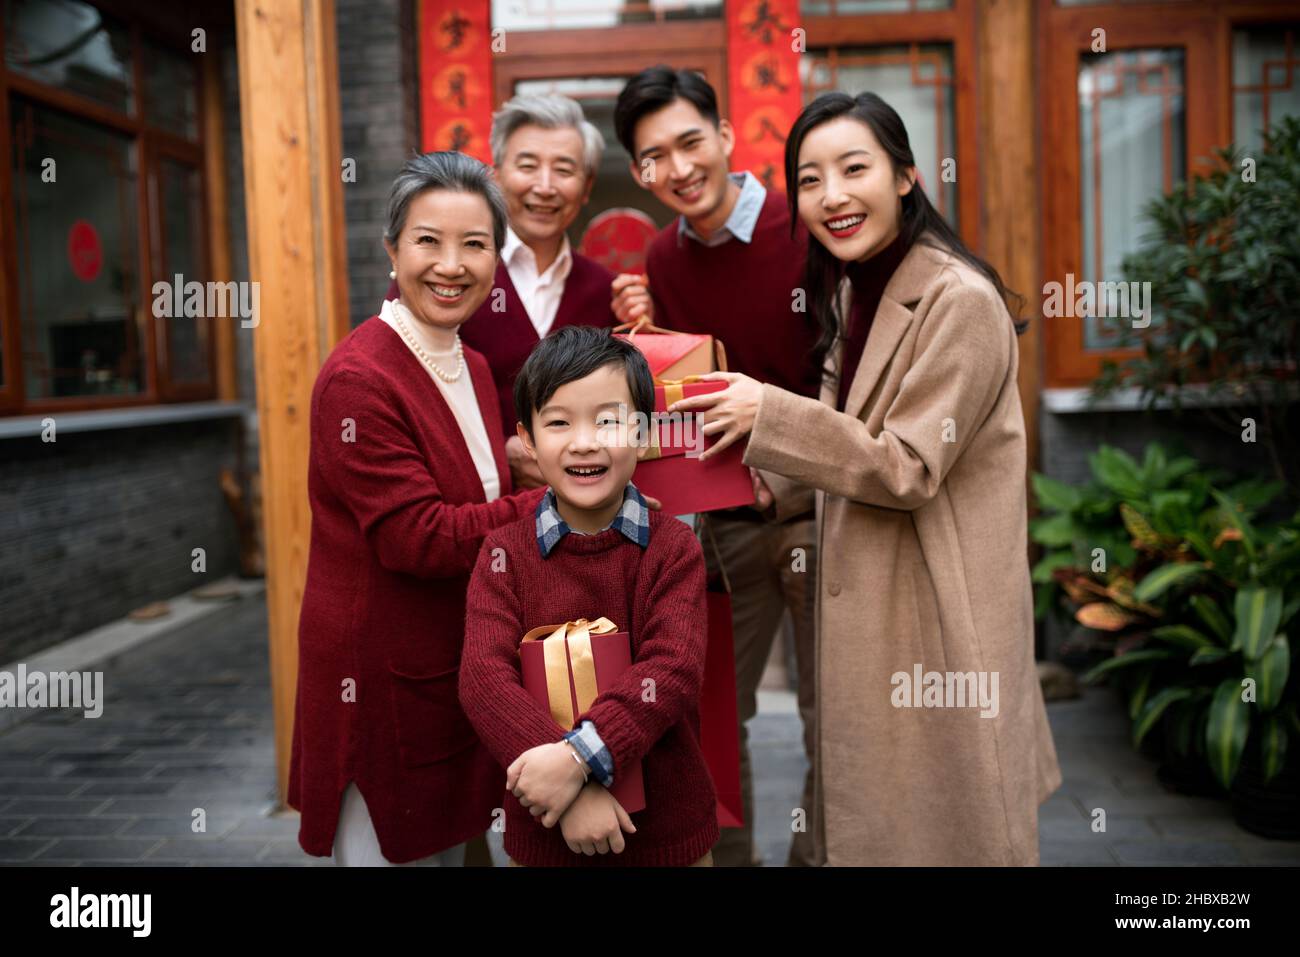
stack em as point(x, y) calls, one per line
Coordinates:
point(407, 475)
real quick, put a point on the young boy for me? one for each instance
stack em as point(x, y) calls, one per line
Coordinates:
point(592, 550)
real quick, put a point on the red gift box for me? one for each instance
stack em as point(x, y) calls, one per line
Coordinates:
point(671, 354)
point(672, 471)
point(564, 667)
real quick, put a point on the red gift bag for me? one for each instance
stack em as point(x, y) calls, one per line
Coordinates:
point(719, 726)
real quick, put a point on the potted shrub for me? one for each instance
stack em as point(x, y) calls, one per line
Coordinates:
point(1198, 595)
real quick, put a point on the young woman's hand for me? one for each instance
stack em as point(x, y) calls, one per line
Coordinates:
point(728, 414)
point(595, 822)
point(546, 779)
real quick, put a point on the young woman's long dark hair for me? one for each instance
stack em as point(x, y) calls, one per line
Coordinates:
point(824, 272)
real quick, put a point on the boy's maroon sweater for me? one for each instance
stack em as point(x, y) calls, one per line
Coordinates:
point(651, 715)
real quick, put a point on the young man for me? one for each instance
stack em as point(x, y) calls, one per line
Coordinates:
point(592, 550)
point(727, 266)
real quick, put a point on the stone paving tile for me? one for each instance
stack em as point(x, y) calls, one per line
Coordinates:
point(111, 788)
point(1117, 828)
point(72, 827)
point(58, 807)
point(17, 850)
point(11, 824)
point(1074, 853)
point(37, 787)
point(184, 850)
point(99, 849)
point(1172, 853)
point(176, 825)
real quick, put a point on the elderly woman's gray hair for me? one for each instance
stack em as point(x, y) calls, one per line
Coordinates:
point(551, 112)
point(444, 170)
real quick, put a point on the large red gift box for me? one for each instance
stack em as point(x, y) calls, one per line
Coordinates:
point(564, 667)
point(672, 471)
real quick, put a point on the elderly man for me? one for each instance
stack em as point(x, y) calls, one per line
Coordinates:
point(545, 155)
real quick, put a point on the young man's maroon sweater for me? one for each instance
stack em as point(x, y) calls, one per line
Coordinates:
point(657, 596)
point(743, 293)
point(505, 338)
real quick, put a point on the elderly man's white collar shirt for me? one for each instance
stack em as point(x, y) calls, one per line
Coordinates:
point(540, 294)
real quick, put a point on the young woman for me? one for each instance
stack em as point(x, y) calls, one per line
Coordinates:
point(933, 743)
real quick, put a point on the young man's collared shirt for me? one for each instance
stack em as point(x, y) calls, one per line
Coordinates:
point(539, 292)
point(633, 522)
point(744, 215)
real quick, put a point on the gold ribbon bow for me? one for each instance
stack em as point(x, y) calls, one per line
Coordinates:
point(565, 647)
point(674, 391)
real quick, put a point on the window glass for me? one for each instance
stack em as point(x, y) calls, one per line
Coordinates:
point(72, 46)
point(1132, 140)
point(1265, 80)
point(75, 199)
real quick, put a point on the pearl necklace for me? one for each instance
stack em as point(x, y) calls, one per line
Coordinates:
point(451, 378)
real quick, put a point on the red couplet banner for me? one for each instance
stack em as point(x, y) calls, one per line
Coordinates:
point(456, 76)
point(764, 85)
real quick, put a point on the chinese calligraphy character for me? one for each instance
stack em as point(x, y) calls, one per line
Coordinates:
point(764, 24)
point(454, 27)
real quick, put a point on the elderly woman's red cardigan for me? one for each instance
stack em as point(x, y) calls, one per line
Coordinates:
point(398, 515)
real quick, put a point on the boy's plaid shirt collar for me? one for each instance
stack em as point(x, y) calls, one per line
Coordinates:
point(633, 520)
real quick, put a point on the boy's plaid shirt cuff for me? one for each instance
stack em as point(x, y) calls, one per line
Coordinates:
point(588, 744)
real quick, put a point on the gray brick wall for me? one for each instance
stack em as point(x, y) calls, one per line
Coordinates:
point(1067, 439)
point(99, 523)
point(377, 110)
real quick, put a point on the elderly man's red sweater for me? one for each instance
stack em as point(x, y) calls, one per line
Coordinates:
point(657, 596)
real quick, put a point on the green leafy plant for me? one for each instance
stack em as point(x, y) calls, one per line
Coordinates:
point(1222, 255)
point(1196, 591)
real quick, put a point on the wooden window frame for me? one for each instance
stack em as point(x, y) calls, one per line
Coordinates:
point(149, 143)
point(602, 51)
point(1203, 30)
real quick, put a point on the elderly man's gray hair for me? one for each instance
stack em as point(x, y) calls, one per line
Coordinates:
point(444, 170)
point(550, 112)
